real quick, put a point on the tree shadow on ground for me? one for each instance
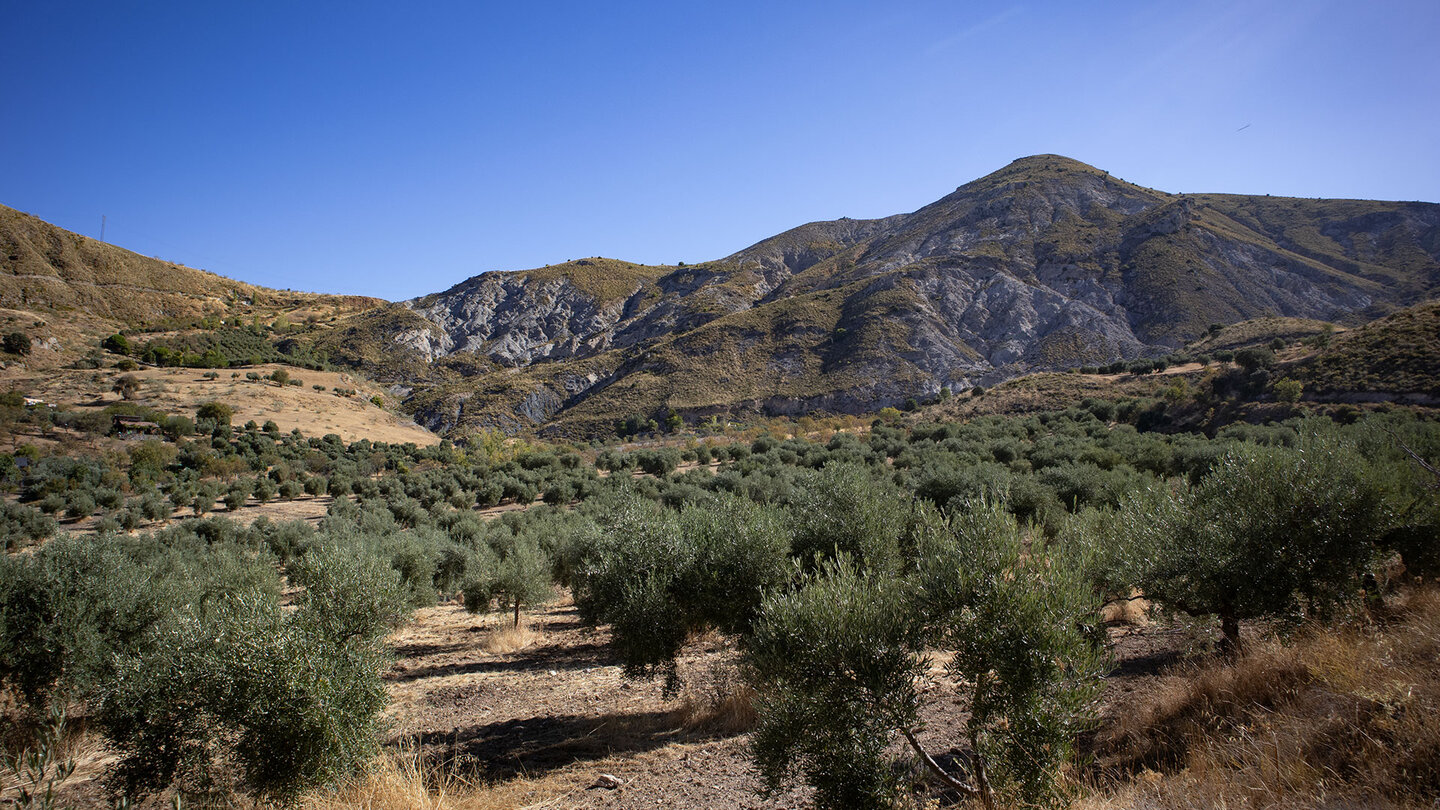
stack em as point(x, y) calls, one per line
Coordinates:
point(554, 656)
point(535, 746)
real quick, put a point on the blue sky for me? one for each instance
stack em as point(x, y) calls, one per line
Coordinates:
point(395, 149)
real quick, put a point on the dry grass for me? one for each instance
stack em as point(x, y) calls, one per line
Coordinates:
point(1345, 718)
point(507, 637)
point(399, 780)
point(1132, 611)
point(719, 703)
point(181, 391)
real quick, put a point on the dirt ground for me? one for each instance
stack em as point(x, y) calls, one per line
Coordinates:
point(547, 720)
point(538, 726)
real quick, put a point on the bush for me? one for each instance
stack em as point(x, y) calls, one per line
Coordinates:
point(657, 576)
point(21, 525)
point(841, 508)
point(1021, 624)
point(217, 412)
point(1287, 390)
point(17, 343)
point(1253, 359)
point(116, 343)
point(831, 729)
point(1024, 628)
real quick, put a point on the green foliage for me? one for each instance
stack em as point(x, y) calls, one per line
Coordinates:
point(1272, 531)
point(1024, 628)
point(1287, 390)
point(116, 343)
point(290, 701)
point(21, 525)
point(217, 412)
point(522, 577)
point(656, 576)
point(843, 509)
point(834, 665)
point(1254, 358)
point(836, 662)
point(216, 347)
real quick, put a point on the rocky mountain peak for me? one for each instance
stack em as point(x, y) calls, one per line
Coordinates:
point(1047, 263)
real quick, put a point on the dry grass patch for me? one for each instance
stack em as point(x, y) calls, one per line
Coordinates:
point(399, 781)
point(719, 703)
point(1350, 717)
point(506, 638)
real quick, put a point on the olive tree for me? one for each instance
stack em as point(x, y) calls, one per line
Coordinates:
point(657, 576)
point(234, 682)
point(835, 662)
point(1270, 532)
point(834, 665)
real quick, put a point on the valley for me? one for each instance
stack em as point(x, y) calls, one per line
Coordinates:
point(1059, 490)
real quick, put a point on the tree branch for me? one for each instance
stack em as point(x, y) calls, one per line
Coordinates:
point(939, 772)
point(1425, 465)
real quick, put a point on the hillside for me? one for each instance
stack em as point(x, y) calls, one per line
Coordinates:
point(1395, 357)
point(1046, 264)
point(50, 271)
point(66, 292)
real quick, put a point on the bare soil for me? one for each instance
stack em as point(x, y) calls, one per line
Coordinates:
point(551, 718)
point(538, 726)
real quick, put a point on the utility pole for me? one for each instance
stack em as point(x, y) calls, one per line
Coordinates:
point(102, 227)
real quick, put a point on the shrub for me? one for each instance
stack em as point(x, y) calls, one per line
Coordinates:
point(831, 729)
point(21, 525)
point(79, 505)
point(116, 343)
point(1023, 626)
point(657, 576)
point(217, 412)
point(836, 663)
point(1287, 390)
point(841, 508)
point(17, 343)
point(1253, 359)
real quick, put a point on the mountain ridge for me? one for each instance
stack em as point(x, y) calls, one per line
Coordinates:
point(1046, 263)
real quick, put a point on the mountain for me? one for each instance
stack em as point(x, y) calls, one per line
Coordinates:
point(1045, 264)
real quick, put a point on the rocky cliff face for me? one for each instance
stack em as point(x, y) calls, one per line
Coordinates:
point(1045, 264)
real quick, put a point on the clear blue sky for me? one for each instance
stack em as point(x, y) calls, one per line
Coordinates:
point(396, 148)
